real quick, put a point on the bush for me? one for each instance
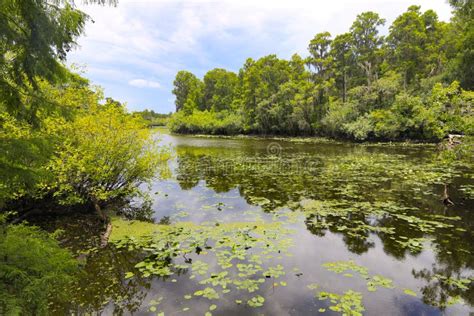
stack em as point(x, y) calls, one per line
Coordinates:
point(206, 122)
point(338, 115)
point(106, 155)
point(34, 270)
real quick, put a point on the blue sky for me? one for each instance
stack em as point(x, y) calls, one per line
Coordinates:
point(135, 49)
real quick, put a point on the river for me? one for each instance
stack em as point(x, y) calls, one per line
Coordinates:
point(293, 227)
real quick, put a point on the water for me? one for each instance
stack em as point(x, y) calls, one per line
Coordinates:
point(376, 206)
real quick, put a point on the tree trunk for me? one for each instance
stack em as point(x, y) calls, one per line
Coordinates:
point(99, 211)
point(368, 71)
point(104, 239)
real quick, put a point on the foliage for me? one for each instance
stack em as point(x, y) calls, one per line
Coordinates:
point(35, 37)
point(220, 88)
point(359, 85)
point(34, 271)
point(188, 91)
point(27, 148)
point(206, 122)
point(50, 115)
point(105, 155)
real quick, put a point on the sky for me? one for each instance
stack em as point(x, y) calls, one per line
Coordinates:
point(134, 50)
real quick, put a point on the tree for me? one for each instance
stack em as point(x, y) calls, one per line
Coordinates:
point(406, 40)
point(342, 61)
point(352, 86)
point(188, 90)
point(261, 79)
point(366, 43)
point(35, 36)
point(298, 71)
point(463, 63)
point(220, 88)
point(320, 58)
point(26, 150)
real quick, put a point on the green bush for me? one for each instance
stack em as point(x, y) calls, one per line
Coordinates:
point(106, 154)
point(34, 271)
point(206, 122)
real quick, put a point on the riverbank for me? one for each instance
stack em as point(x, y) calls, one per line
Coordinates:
point(306, 139)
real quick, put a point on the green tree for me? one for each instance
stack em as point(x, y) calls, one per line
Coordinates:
point(320, 59)
point(320, 62)
point(298, 71)
point(342, 62)
point(220, 87)
point(188, 90)
point(406, 39)
point(261, 79)
point(35, 37)
point(25, 151)
point(366, 43)
point(463, 63)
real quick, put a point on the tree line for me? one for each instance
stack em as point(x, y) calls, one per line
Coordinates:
point(414, 83)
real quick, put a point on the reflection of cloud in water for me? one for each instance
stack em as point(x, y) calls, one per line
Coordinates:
point(197, 196)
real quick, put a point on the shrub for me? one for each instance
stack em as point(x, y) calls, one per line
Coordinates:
point(106, 155)
point(34, 270)
point(206, 122)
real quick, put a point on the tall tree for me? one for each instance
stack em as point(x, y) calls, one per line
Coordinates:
point(406, 41)
point(35, 36)
point(261, 79)
point(342, 61)
point(367, 42)
point(188, 90)
point(464, 26)
point(220, 88)
point(320, 59)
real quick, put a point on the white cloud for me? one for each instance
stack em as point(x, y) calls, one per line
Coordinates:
point(142, 83)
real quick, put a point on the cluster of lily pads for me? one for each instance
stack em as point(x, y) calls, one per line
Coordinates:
point(241, 255)
point(350, 302)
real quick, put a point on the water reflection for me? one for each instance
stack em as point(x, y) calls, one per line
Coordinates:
point(379, 206)
point(408, 177)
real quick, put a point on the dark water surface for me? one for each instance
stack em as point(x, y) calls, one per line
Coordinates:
point(344, 214)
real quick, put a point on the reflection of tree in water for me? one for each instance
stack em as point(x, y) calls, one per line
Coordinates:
point(443, 287)
point(364, 175)
point(454, 258)
point(102, 278)
point(261, 179)
point(187, 175)
point(103, 281)
point(356, 243)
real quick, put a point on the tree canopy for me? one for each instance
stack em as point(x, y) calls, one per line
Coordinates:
point(358, 85)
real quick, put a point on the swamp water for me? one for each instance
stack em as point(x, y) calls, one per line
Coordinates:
point(285, 227)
